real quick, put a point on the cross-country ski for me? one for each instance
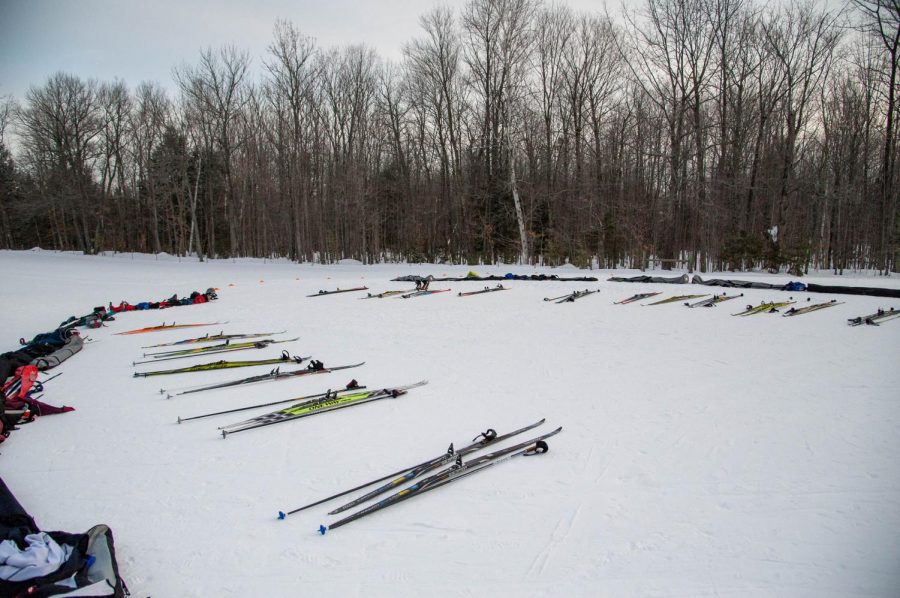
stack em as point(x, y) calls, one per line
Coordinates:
point(499, 287)
point(460, 469)
point(261, 344)
point(482, 440)
point(314, 367)
point(331, 402)
point(764, 307)
point(224, 365)
point(799, 311)
point(338, 291)
point(209, 338)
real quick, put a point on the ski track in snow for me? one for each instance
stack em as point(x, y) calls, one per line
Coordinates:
point(701, 454)
point(559, 535)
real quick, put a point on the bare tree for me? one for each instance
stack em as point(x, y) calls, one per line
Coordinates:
point(882, 21)
point(8, 182)
point(498, 43)
point(435, 64)
point(292, 74)
point(215, 88)
point(60, 126)
point(802, 40)
point(149, 119)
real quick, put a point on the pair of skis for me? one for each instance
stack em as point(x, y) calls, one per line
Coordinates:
point(213, 338)
point(423, 293)
point(571, 297)
point(222, 365)
point(674, 299)
point(794, 311)
point(499, 287)
point(336, 291)
point(315, 367)
point(875, 319)
point(713, 301)
point(771, 307)
point(223, 348)
point(164, 326)
point(387, 294)
point(352, 386)
point(436, 480)
point(332, 401)
point(638, 297)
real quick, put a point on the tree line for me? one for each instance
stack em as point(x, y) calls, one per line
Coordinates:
point(726, 134)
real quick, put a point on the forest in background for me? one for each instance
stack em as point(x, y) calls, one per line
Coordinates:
point(711, 134)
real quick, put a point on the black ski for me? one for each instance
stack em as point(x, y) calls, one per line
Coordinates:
point(557, 298)
point(576, 295)
point(713, 301)
point(315, 367)
point(459, 470)
point(499, 287)
point(336, 291)
point(387, 294)
point(423, 292)
point(873, 319)
point(435, 464)
point(881, 318)
point(486, 438)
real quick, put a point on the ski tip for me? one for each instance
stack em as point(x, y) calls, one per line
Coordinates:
point(281, 514)
point(322, 530)
point(168, 397)
point(224, 434)
point(179, 419)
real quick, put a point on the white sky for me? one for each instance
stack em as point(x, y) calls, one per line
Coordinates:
point(143, 40)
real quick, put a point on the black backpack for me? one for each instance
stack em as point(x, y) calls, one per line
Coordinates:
point(91, 567)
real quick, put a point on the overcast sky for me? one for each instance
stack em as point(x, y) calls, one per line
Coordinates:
point(143, 40)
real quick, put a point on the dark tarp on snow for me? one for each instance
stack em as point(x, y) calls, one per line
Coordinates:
point(538, 277)
point(737, 284)
point(799, 286)
point(872, 291)
point(683, 279)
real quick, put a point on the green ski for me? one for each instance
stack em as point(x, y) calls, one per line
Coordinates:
point(764, 307)
point(223, 348)
point(222, 365)
point(332, 402)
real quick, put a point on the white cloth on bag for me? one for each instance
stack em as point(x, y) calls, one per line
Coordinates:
point(42, 557)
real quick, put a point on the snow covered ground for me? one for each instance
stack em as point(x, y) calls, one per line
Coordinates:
point(702, 454)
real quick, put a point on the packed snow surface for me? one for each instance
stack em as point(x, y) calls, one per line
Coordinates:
point(702, 454)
